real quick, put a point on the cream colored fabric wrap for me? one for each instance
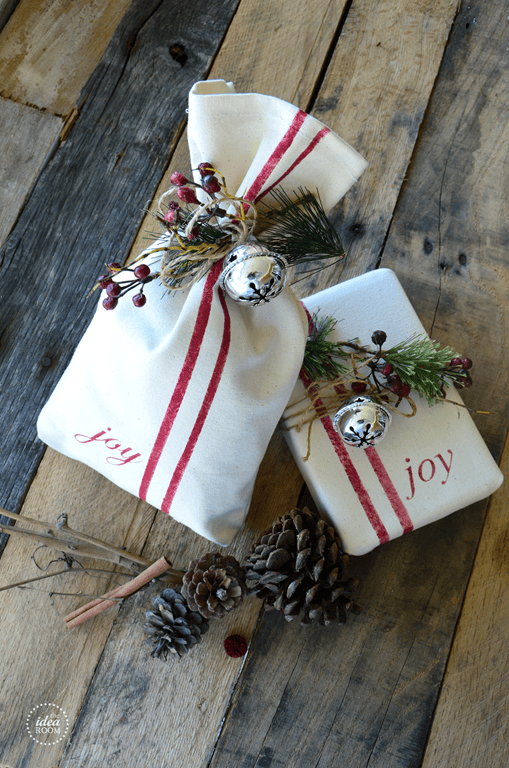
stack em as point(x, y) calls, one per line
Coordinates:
point(176, 401)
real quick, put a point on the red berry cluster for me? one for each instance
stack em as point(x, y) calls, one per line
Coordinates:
point(115, 289)
point(176, 216)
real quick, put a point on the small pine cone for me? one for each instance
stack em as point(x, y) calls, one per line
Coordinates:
point(174, 627)
point(214, 585)
point(297, 567)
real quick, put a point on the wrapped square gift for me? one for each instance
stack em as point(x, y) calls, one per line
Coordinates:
point(174, 395)
point(424, 468)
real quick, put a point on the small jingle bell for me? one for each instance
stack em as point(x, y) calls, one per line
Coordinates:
point(253, 274)
point(362, 422)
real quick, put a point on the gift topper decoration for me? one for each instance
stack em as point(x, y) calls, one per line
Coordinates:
point(381, 378)
point(432, 460)
point(191, 371)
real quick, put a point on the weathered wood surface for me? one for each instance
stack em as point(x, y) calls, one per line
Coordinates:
point(6, 9)
point(367, 693)
point(470, 727)
point(109, 166)
point(28, 137)
point(49, 49)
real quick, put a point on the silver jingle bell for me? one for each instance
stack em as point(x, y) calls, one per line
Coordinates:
point(252, 274)
point(362, 422)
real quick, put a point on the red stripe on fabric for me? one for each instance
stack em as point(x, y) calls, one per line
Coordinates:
point(390, 491)
point(319, 136)
point(351, 472)
point(276, 156)
point(179, 392)
point(204, 410)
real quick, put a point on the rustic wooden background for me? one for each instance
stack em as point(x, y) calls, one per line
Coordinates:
point(92, 121)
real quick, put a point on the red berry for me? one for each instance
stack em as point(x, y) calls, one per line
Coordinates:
point(178, 179)
point(113, 289)
point(187, 195)
point(235, 646)
point(205, 169)
point(387, 369)
point(210, 184)
point(466, 363)
point(139, 300)
point(404, 390)
point(193, 234)
point(142, 271)
point(379, 338)
point(359, 386)
point(104, 281)
point(394, 384)
point(455, 362)
point(110, 302)
point(114, 266)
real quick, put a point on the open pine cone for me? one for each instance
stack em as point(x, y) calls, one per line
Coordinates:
point(214, 585)
point(297, 566)
point(174, 627)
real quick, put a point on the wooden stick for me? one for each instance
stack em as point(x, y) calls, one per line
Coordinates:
point(51, 535)
point(101, 604)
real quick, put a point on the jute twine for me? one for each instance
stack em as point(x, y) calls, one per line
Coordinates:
point(325, 398)
point(192, 262)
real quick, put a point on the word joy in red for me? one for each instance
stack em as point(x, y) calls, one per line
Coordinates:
point(428, 469)
point(111, 444)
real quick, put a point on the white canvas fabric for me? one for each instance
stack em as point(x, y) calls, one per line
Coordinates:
point(176, 401)
point(426, 467)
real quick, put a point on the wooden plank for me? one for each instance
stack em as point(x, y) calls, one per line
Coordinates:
point(43, 661)
point(48, 50)
point(28, 137)
point(470, 723)
point(448, 239)
point(6, 9)
point(115, 153)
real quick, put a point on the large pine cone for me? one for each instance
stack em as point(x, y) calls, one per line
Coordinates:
point(174, 627)
point(298, 566)
point(214, 585)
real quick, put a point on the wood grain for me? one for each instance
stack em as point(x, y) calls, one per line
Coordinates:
point(470, 722)
point(49, 49)
point(6, 9)
point(375, 95)
point(448, 239)
point(41, 659)
point(88, 204)
point(28, 137)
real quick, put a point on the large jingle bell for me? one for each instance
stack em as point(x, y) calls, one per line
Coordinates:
point(362, 422)
point(252, 274)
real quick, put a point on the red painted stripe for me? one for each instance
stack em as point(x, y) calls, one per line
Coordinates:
point(350, 470)
point(204, 410)
point(276, 156)
point(319, 136)
point(179, 392)
point(390, 491)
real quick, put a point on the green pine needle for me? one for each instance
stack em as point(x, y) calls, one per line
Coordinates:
point(300, 230)
point(420, 363)
point(322, 357)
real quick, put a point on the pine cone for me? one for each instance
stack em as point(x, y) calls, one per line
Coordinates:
point(297, 566)
point(174, 627)
point(214, 585)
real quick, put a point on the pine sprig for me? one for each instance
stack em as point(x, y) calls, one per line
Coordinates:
point(300, 230)
point(417, 364)
point(322, 357)
point(422, 364)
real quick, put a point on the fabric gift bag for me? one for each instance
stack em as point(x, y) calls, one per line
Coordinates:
point(181, 408)
point(426, 466)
